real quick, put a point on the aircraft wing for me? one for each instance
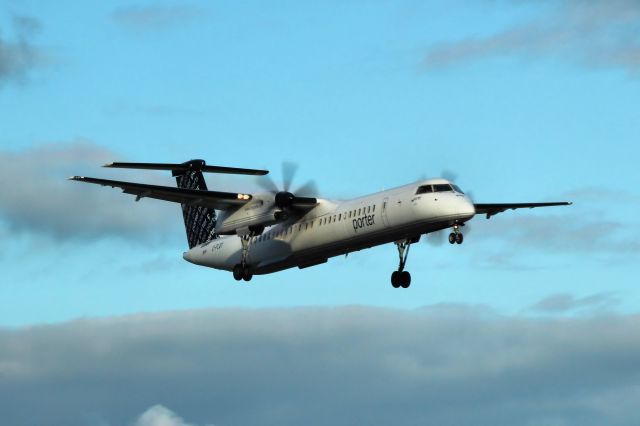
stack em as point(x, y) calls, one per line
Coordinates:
point(494, 209)
point(210, 199)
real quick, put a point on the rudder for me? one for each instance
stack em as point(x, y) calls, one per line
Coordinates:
point(200, 222)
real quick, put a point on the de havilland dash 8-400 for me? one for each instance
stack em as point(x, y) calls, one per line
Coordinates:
point(266, 232)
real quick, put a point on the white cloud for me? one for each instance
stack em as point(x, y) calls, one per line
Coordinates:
point(18, 56)
point(37, 198)
point(155, 17)
point(564, 302)
point(160, 416)
point(599, 33)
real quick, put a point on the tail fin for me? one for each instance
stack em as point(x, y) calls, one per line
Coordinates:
point(200, 222)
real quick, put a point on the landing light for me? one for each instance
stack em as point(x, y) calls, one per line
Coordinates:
point(243, 196)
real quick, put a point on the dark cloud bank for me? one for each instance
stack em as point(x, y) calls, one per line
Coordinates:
point(446, 365)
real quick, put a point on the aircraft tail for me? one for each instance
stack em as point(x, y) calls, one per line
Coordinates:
point(200, 222)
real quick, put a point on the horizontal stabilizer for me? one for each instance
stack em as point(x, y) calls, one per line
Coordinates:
point(192, 197)
point(199, 165)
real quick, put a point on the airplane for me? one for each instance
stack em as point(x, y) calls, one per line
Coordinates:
point(267, 232)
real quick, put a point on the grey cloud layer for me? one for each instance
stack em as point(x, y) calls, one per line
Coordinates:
point(36, 197)
point(19, 56)
point(344, 366)
point(595, 33)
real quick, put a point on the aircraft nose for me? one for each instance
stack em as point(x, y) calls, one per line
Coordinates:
point(466, 207)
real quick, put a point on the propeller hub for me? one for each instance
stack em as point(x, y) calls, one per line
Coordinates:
point(284, 199)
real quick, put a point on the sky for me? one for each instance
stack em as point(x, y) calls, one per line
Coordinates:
point(522, 101)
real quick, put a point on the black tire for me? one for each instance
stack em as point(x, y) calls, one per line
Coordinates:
point(452, 238)
point(395, 279)
point(247, 274)
point(459, 238)
point(237, 272)
point(405, 279)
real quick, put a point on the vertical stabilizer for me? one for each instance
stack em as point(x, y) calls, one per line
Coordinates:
point(200, 222)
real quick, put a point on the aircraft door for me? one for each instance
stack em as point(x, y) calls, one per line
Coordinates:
point(383, 212)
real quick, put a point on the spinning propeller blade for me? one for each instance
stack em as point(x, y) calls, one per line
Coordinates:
point(284, 198)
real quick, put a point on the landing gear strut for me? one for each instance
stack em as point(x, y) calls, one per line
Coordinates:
point(456, 236)
point(402, 278)
point(243, 271)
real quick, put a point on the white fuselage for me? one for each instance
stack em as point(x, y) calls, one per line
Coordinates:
point(334, 228)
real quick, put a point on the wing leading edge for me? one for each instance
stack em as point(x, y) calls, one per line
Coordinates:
point(192, 197)
point(494, 209)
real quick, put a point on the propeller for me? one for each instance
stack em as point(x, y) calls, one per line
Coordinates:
point(285, 198)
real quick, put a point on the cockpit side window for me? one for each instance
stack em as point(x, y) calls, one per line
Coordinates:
point(424, 189)
point(457, 188)
point(443, 187)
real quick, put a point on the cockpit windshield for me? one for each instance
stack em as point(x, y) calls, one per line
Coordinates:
point(424, 189)
point(441, 187)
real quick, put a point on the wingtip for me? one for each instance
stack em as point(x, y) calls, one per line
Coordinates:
point(108, 165)
point(74, 178)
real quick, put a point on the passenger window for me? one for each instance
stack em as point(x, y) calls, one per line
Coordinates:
point(374, 208)
point(369, 209)
point(339, 217)
point(334, 217)
point(359, 212)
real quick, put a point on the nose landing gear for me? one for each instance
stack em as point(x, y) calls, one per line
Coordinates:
point(402, 278)
point(456, 236)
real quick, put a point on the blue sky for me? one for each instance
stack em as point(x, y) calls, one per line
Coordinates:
point(524, 101)
point(534, 320)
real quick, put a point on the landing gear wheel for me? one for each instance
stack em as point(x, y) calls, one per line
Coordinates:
point(452, 238)
point(247, 274)
point(405, 279)
point(395, 279)
point(459, 238)
point(402, 278)
point(238, 272)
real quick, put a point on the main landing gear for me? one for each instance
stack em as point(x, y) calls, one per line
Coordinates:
point(243, 271)
point(456, 236)
point(402, 278)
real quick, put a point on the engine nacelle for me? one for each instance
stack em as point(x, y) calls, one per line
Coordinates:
point(252, 217)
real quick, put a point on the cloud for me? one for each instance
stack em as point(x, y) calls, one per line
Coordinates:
point(155, 17)
point(564, 302)
point(19, 56)
point(591, 33)
point(37, 198)
point(317, 366)
point(159, 416)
